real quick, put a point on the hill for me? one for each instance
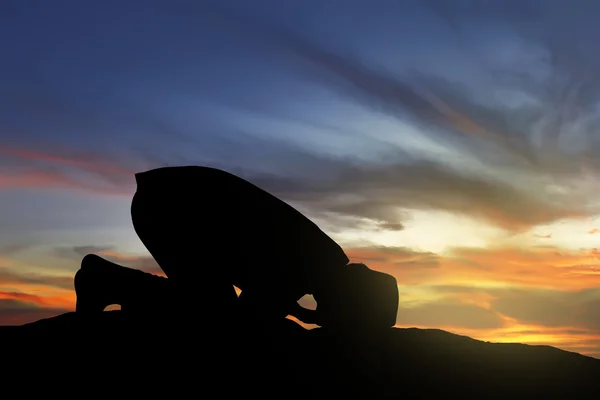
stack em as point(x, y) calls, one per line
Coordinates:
point(158, 357)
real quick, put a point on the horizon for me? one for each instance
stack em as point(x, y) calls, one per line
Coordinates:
point(450, 145)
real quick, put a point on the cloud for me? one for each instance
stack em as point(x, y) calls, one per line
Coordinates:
point(18, 281)
point(378, 192)
point(7, 251)
point(74, 169)
point(566, 319)
point(10, 278)
point(535, 267)
point(53, 179)
point(17, 312)
point(578, 340)
point(334, 185)
point(574, 312)
point(86, 161)
point(394, 260)
point(448, 313)
point(31, 298)
point(505, 139)
point(562, 318)
point(580, 309)
point(78, 252)
point(378, 90)
point(13, 248)
point(391, 226)
point(53, 299)
point(26, 296)
point(543, 267)
point(144, 263)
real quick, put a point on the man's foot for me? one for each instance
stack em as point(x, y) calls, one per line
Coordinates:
point(100, 283)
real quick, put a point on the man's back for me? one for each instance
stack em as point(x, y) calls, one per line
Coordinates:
point(261, 240)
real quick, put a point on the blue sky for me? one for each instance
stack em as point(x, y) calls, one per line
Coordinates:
point(452, 143)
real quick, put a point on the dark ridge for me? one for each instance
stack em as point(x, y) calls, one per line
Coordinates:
point(149, 356)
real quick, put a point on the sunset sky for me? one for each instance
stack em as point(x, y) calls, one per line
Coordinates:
point(453, 144)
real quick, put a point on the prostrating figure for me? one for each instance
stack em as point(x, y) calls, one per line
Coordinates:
point(210, 230)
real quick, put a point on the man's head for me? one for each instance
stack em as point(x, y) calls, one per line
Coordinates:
point(360, 298)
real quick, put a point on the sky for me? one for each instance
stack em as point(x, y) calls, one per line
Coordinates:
point(450, 143)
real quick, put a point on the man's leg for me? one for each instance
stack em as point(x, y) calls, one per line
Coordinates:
point(169, 226)
point(100, 283)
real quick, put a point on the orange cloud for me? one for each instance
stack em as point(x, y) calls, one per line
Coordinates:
point(540, 295)
point(393, 258)
point(28, 302)
point(97, 165)
point(24, 171)
point(22, 296)
point(61, 300)
point(593, 231)
point(545, 267)
point(26, 289)
point(537, 267)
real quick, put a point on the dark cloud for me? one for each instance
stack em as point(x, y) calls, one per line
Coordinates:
point(391, 226)
point(378, 191)
point(327, 186)
point(451, 112)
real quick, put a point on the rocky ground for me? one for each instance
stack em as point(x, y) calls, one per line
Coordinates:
point(114, 352)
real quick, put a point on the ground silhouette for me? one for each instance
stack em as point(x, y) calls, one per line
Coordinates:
point(190, 332)
point(116, 352)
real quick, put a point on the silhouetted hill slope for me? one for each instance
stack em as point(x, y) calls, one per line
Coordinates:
point(155, 357)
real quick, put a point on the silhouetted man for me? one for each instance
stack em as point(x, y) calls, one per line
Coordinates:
point(209, 230)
